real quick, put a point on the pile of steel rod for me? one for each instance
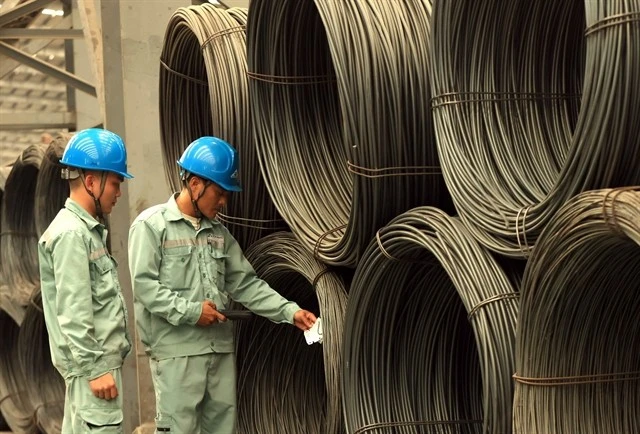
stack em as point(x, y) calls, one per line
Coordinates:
point(578, 340)
point(531, 107)
point(429, 332)
point(342, 117)
point(284, 385)
point(204, 92)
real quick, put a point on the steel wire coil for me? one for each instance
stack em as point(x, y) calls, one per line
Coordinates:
point(204, 92)
point(284, 385)
point(19, 241)
point(342, 117)
point(44, 387)
point(51, 190)
point(532, 108)
point(429, 336)
point(578, 336)
point(15, 405)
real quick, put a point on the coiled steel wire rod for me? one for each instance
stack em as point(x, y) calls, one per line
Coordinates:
point(19, 241)
point(204, 92)
point(14, 402)
point(284, 385)
point(532, 108)
point(43, 385)
point(429, 332)
point(51, 190)
point(340, 108)
point(578, 337)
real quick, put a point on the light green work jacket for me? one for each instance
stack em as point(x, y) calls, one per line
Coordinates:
point(174, 268)
point(84, 310)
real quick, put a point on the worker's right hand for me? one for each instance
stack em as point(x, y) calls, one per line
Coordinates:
point(209, 314)
point(104, 387)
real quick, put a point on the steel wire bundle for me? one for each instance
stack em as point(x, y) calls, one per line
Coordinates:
point(429, 336)
point(531, 108)
point(342, 117)
point(284, 385)
point(578, 336)
point(14, 403)
point(204, 92)
point(44, 387)
point(51, 190)
point(19, 241)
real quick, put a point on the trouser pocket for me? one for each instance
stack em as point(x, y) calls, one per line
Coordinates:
point(101, 420)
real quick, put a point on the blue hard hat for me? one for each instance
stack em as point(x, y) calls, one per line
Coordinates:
point(212, 159)
point(96, 149)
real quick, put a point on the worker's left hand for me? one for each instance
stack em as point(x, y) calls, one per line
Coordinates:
point(303, 319)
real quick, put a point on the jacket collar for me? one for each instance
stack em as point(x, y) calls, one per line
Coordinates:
point(82, 213)
point(173, 213)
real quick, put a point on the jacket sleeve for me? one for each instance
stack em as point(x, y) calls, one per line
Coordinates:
point(145, 255)
point(74, 303)
point(245, 287)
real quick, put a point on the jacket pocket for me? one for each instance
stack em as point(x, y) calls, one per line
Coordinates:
point(102, 420)
point(102, 278)
point(176, 267)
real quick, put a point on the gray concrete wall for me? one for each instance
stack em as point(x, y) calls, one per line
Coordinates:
point(133, 32)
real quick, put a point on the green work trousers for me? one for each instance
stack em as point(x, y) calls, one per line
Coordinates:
point(84, 413)
point(195, 394)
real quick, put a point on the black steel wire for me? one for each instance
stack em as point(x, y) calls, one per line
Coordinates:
point(204, 92)
point(18, 240)
point(284, 385)
point(51, 190)
point(534, 102)
point(429, 332)
point(14, 402)
point(44, 387)
point(578, 336)
point(340, 106)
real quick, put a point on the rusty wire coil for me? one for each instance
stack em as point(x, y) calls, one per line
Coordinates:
point(14, 401)
point(430, 328)
point(43, 384)
point(284, 385)
point(51, 190)
point(342, 117)
point(578, 339)
point(534, 102)
point(18, 240)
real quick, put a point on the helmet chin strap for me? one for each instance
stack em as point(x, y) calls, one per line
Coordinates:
point(194, 202)
point(96, 200)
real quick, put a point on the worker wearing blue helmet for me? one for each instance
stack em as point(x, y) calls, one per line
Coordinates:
point(84, 310)
point(186, 267)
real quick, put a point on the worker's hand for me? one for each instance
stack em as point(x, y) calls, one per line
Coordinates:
point(104, 387)
point(209, 314)
point(303, 319)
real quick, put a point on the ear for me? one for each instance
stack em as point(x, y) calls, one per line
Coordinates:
point(194, 182)
point(89, 179)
